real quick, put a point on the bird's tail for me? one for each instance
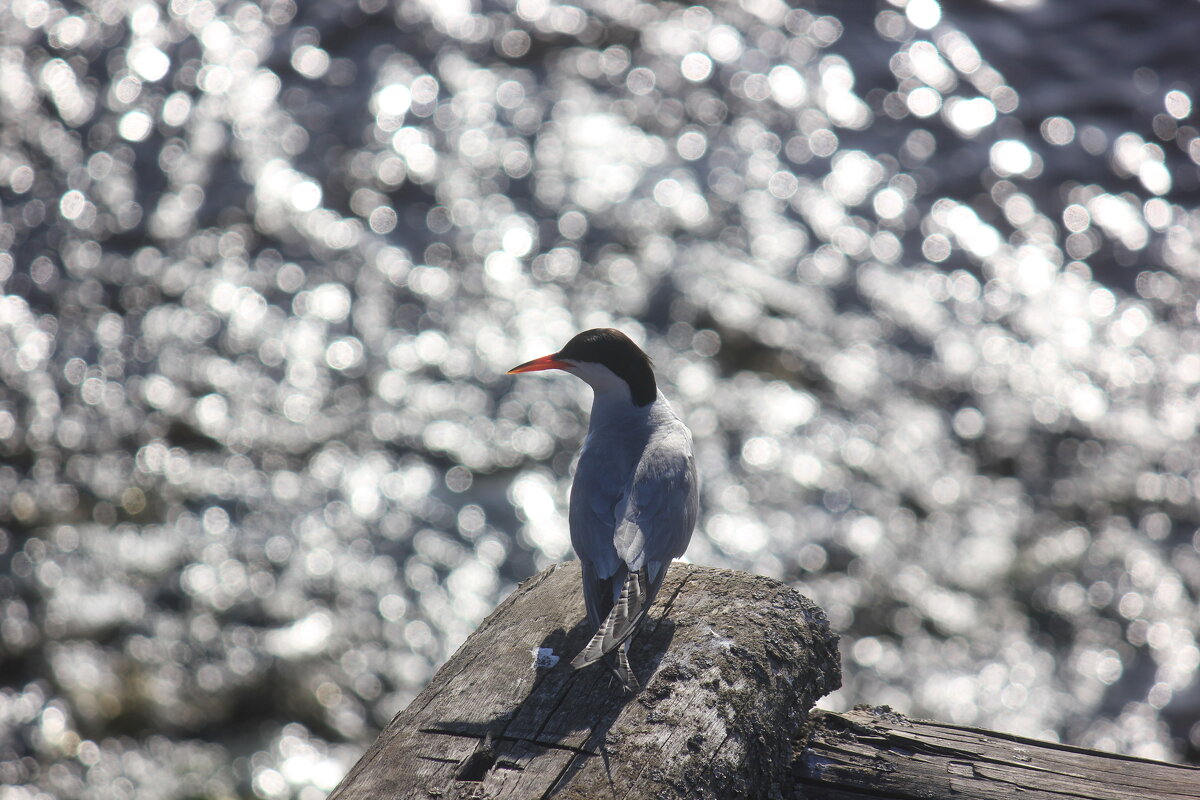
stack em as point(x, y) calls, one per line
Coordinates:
point(621, 623)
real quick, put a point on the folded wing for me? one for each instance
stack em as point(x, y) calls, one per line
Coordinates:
point(655, 516)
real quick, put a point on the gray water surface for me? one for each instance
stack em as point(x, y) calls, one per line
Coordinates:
point(923, 281)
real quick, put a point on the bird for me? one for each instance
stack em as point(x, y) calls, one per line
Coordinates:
point(635, 494)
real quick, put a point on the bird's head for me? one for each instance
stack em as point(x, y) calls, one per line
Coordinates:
point(606, 359)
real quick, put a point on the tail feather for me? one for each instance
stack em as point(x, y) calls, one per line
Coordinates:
point(621, 623)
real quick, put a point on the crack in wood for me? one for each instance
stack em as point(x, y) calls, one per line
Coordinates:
point(1055, 754)
point(669, 604)
point(916, 746)
point(517, 739)
point(561, 775)
point(978, 735)
point(566, 690)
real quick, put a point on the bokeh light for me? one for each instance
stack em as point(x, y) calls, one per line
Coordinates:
point(927, 301)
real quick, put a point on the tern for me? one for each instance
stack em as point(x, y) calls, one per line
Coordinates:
point(635, 496)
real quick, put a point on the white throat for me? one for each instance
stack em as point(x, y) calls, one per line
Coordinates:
point(612, 402)
point(602, 379)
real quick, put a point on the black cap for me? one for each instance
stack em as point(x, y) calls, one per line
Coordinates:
point(615, 350)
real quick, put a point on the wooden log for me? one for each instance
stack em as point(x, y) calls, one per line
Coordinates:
point(731, 663)
point(875, 753)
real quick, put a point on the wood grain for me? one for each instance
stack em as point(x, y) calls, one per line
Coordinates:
point(731, 663)
point(875, 753)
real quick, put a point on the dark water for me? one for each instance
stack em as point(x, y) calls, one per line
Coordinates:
point(923, 282)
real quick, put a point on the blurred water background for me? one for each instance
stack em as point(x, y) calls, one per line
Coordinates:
point(923, 280)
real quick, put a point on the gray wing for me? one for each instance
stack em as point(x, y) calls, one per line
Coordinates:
point(656, 517)
point(658, 512)
point(593, 522)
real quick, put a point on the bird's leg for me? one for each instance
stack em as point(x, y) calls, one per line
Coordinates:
point(624, 671)
point(621, 671)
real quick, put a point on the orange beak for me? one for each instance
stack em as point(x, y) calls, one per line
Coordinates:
point(545, 362)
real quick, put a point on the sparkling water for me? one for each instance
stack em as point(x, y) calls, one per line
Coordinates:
point(922, 281)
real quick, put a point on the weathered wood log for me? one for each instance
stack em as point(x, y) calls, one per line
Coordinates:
point(731, 664)
point(731, 673)
point(878, 754)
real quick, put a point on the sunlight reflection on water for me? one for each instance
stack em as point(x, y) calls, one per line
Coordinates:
point(264, 267)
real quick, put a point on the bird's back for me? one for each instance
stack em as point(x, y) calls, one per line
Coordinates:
point(633, 503)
